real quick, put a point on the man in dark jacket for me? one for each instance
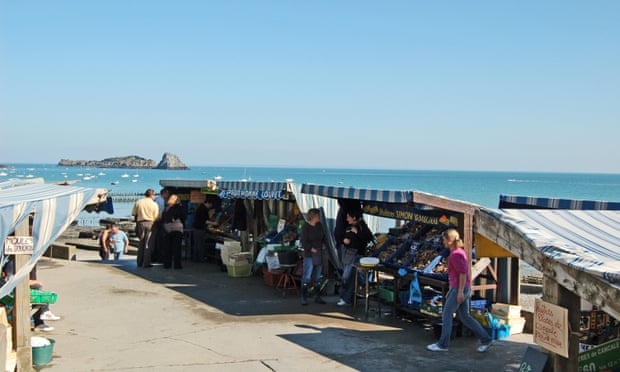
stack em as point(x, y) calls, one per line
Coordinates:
point(313, 242)
point(356, 238)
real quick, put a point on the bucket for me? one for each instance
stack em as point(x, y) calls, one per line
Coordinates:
point(42, 355)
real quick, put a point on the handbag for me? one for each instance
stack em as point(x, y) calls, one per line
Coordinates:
point(175, 226)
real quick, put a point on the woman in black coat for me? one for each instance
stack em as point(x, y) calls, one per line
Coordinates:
point(174, 220)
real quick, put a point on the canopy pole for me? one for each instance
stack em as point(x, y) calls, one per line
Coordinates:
point(21, 311)
point(556, 294)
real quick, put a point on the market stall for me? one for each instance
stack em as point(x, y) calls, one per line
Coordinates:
point(413, 251)
point(52, 208)
point(578, 252)
point(252, 213)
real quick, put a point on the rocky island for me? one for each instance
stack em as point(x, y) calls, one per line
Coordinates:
point(168, 161)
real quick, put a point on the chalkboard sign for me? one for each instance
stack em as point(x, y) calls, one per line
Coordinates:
point(533, 361)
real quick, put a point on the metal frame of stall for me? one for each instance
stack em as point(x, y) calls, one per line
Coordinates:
point(564, 285)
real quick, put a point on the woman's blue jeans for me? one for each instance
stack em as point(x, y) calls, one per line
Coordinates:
point(450, 307)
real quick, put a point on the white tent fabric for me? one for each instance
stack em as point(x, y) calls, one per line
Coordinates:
point(54, 207)
point(588, 241)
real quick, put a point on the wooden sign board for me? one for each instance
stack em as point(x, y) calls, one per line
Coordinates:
point(551, 327)
point(18, 245)
point(533, 361)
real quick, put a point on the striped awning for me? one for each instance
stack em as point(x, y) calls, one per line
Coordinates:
point(588, 241)
point(254, 190)
point(185, 184)
point(530, 202)
point(54, 207)
point(386, 196)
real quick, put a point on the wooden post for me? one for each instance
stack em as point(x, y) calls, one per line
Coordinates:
point(21, 311)
point(558, 295)
point(515, 281)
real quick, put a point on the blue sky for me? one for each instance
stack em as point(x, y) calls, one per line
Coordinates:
point(472, 85)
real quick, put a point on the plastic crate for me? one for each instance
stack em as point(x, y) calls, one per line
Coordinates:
point(42, 297)
point(479, 304)
point(386, 293)
point(404, 247)
point(239, 269)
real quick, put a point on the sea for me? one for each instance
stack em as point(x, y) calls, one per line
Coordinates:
point(482, 188)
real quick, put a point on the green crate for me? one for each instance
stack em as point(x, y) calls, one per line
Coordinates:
point(386, 293)
point(42, 297)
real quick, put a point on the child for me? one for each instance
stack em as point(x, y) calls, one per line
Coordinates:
point(117, 242)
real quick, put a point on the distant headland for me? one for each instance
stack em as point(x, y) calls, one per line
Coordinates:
point(168, 161)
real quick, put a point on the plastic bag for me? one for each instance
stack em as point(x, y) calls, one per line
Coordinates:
point(415, 293)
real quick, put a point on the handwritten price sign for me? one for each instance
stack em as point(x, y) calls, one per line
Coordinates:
point(551, 327)
point(18, 245)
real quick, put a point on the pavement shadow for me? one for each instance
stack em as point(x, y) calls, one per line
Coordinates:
point(404, 349)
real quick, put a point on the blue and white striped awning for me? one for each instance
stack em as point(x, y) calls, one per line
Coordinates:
point(588, 241)
point(185, 184)
point(254, 190)
point(385, 196)
point(531, 202)
point(54, 207)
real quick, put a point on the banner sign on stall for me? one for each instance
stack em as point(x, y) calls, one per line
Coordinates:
point(551, 327)
point(252, 194)
point(408, 213)
point(18, 245)
point(605, 357)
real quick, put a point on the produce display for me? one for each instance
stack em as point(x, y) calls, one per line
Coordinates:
point(413, 246)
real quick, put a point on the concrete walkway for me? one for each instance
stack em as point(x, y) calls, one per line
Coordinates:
point(120, 318)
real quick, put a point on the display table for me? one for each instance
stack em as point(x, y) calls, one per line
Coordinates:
point(366, 271)
point(441, 285)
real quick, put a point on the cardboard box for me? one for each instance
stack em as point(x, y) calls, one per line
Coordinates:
point(506, 310)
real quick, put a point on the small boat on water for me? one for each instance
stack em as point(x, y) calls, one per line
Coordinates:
point(30, 176)
point(125, 175)
point(2, 174)
point(134, 181)
point(101, 174)
point(79, 174)
point(136, 175)
point(115, 182)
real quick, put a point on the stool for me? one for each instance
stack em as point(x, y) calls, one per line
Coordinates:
point(367, 271)
point(287, 281)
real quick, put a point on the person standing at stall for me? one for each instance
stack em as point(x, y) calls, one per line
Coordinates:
point(199, 230)
point(145, 212)
point(458, 296)
point(313, 242)
point(104, 253)
point(157, 235)
point(174, 220)
point(356, 237)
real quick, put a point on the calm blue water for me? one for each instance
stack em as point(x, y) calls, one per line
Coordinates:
point(481, 188)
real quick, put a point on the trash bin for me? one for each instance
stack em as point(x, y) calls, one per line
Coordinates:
point(42, 349)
